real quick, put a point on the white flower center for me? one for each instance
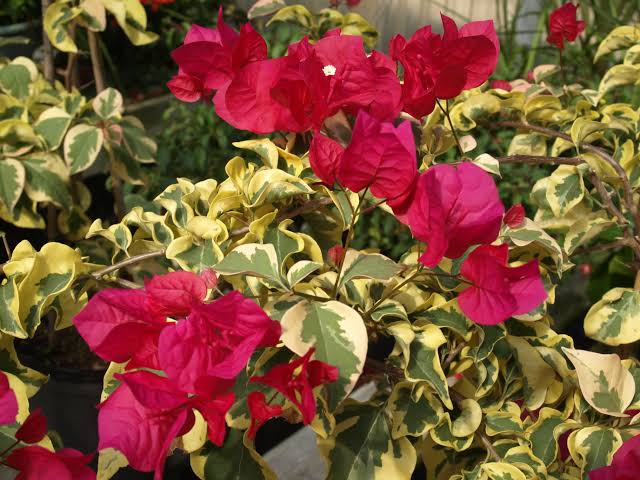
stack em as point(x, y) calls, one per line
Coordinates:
point(329, 70)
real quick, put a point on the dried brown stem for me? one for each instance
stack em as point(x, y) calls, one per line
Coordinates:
point(452, 355)
point(47, 63)
point(537, 159)
point(98, 274)
point(602, 247)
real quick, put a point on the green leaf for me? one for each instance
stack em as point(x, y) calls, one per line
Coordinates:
point(54, 269)
point(537, 374)
point(542, 432)
point(413, 409)
point(56, 24)
point(593, 447)
point(12, 180)
point(301, 270)
point(47, 180)
point(617, 76)
point(337, 332)
point(565, 189)
point(108, 104)
point(295, 14)
point(424, 363)
point(81, 147)
point(253, 259)
point(235, 460)
point(194, 255)
point(52, 125)
point(362, 447)
point(618, 39)
point(605, 383)
point(9, 310)
point(367, 265)
point(615, 319)
point(262, 8)
point(527, 144)
point(264, 147)
point(15, 80)
point(137, 143)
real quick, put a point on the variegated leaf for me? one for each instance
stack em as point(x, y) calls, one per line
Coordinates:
point(605, 384)
point(12, 180)
point(253, 259)
point(615, 319)
point(108, 104)
point(367, 265)
point(362, 448)
point(339, 335)
point(81, 147)
point(565, 189)
point(52, 124)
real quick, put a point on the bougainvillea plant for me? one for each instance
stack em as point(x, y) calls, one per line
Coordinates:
point(244, 300)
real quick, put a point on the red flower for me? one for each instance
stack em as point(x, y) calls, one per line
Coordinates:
point(336, 254)
point(442, 66)
point(266, 96)
point(34, 428)
point(121, 325)
point(310, 84)
point(563, 25)
point(502, 84)
point(498, 291)
point(381, 157)
point(215, 342)
point(514, 216)
point(298, 387)
point(144, 415)
point(625, 463)
point(176, 293)
point(325, 157)
point(38, 463)
point(8, 401)
point(260, 412)
point(209, 58)
point(454, 209)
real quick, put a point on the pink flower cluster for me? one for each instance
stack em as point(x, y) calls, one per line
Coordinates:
point(182, 354)
point(449, 208)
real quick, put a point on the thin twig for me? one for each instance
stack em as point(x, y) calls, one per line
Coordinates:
point(126, 263)
point(603, 154)
point(602, 247)
point(452, 355)
point(539, 159)
point(47, 48)
point(96, 61)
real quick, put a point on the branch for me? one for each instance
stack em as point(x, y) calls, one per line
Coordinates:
point(96, 61)
point(602, 247)
point(452, 355)
point(536, 159)
point(47, 63)
point(606, 156)
point(98, 274)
